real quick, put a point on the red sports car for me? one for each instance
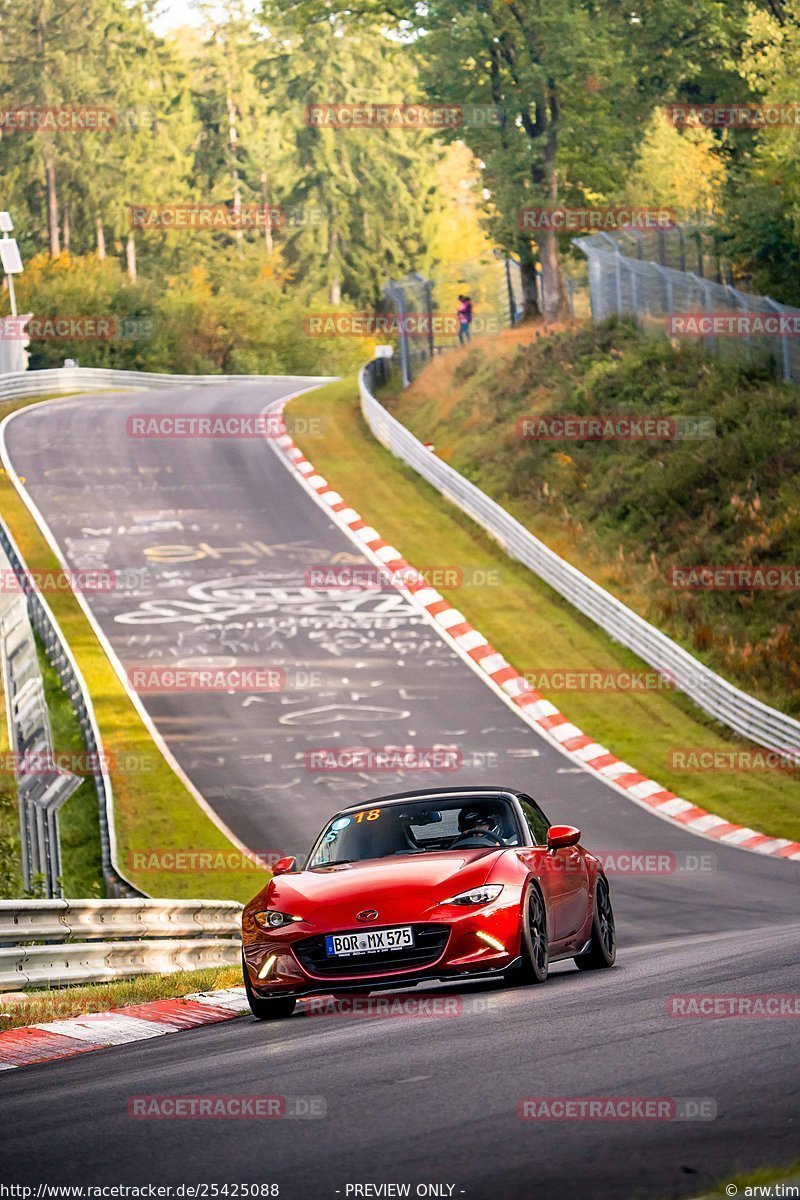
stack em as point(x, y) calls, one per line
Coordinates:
point(442, 884)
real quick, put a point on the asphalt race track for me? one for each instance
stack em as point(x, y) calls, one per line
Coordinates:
point(217, 537)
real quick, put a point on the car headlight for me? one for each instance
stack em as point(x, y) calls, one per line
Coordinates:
point(272, 919)
point(478, 895)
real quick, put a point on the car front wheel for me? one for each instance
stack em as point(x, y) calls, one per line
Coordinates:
point(603, 950)
point(534, 948)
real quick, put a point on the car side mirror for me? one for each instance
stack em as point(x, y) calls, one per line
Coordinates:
point(559, 836)
point(284, 865)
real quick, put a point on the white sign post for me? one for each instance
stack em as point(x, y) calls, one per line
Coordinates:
point(9, 257)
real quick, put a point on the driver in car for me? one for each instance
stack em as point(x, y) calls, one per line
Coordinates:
point(481, 826)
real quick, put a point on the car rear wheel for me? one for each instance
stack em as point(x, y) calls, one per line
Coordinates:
point(534, 949)
point(263, 1009)
point(603, 950)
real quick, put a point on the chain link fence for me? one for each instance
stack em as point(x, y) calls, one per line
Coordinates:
point(672, 283)
point(411, 299)
point(681, 248)
point(425, 325)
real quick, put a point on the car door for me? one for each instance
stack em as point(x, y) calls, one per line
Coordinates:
point(563, 875)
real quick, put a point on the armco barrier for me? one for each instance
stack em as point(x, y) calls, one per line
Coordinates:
point(101, 962)
point(85, 920)
point(62, 660)
point(92, 379)
point(728, 704)
point(118, 939)
point(41, 788)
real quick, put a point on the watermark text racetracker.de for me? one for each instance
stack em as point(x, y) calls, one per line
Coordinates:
point(63, 580)
point(614, 427)
point(186, 861)
point(76, 762)
point(617, 1108)
point(747, 577)
point(733, 116)
point(235, 1107)
point(363, 577)
point(360, 759)
point(634, 862)
point(561, 219)
point(601, 679)
point(387, 325)
point(423, 1007)
point(409, 117)
point(68, 327)
point(756, 1006)
point(734, 758)
point(223, 426)
point(211, 217)
point(732, 324)
point(152, 678)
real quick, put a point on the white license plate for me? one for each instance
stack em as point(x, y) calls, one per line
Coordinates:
point(371, 941)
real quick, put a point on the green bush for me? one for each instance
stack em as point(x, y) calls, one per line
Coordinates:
point(236, 314)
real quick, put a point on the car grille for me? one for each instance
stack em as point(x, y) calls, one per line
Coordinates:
point(429, 942)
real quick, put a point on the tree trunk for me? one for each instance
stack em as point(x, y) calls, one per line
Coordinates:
point(130, 257)
point(554, 300)
point(530, 291)
point(67, 229)
point(232, 141)
point(101, 238)
point(52, 208)
point(334, 282)
point(268, 239)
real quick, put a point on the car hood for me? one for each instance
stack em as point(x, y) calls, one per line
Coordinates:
point(402, 888)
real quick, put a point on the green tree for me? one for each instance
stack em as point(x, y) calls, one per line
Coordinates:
point(362, 195)
point(761, 221)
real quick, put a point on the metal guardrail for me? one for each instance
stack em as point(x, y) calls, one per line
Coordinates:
point(63, 920)
point(119, 939)
point(61, 658)
point(741, 712)
point(102, 962)
point(85, 379)
point(42, 788)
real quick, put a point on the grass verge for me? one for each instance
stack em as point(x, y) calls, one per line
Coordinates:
point(58, 1004)
point(155, 814)
point(531, 625)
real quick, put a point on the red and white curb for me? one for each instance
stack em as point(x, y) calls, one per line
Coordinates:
point(96, 1031)
point(539, 713)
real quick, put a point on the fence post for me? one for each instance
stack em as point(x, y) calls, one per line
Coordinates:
point(395, 294)
point(512, 307)
point(785, 355)
point(617, 271)
point(634, 288)
point(740, 298)
point(706, 290)
point(664, 275)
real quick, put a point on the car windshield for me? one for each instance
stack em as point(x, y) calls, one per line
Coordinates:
point(418, 827)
